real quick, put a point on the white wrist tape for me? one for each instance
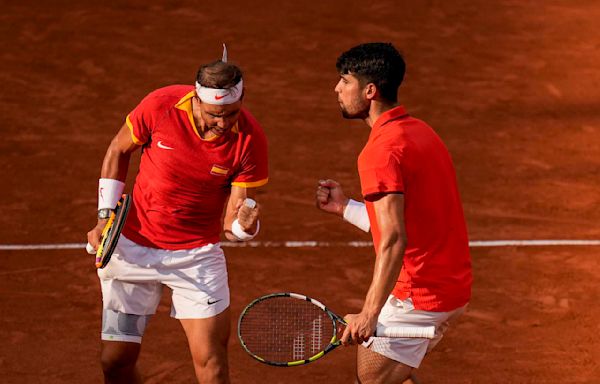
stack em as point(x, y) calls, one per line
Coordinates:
point(356, 213)
point(238, 232)
point(109, 193)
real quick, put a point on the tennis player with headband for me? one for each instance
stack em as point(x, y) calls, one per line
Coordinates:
point(202, 153)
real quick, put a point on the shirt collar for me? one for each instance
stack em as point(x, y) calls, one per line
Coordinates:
point(392, 114)
point(185, 104)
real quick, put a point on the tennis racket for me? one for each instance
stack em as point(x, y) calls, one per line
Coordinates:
point(111, 232)
point(288, 329)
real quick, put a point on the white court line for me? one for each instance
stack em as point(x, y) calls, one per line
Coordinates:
point(530, 243)
point(323, 244)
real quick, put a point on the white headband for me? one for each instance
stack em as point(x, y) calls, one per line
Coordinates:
point(218, 96)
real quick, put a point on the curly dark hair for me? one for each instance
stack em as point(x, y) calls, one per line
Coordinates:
point(377, 63)
point(219, 74)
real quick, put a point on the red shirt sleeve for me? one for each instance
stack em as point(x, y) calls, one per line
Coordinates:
point(143, 117)
point(380, 171)
point(254, 170)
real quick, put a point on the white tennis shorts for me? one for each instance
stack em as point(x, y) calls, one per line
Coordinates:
point(133, 279)
point(401, 313)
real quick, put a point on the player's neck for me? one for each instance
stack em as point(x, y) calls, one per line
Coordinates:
point(196, 114)
point(377, 109)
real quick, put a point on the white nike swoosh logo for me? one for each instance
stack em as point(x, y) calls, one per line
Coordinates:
point(161, 145)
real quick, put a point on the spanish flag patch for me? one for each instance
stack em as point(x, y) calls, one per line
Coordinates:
point(219, 170)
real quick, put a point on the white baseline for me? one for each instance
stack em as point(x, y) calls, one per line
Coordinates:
point(325, 244)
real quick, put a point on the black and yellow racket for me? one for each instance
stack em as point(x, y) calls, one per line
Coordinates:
point(111, 232)
point(288, 329)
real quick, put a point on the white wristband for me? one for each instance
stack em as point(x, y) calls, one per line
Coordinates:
point(356, 213)
point(238, 232)
point(109, 193)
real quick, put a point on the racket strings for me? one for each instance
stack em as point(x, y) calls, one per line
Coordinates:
point(284, 329)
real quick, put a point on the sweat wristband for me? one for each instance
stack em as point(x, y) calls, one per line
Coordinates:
point(238, 232)
point(109, 193)
point(356, 214)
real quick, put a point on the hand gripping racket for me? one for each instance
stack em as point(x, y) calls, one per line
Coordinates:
point(111, 232)
point(288, 329)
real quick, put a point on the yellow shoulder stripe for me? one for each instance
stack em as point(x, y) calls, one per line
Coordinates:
point(133, 137)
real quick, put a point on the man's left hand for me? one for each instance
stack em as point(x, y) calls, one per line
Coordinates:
point(247, 217)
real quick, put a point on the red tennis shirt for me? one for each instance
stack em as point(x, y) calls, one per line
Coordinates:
point(404, 155)
point(184, 181)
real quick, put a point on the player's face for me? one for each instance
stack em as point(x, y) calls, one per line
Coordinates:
point(351, 96)
point(220, 118)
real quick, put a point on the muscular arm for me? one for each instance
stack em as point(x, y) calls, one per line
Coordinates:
point(389, 210)
point(238, 195)
point(116, 160)
point(114, 166)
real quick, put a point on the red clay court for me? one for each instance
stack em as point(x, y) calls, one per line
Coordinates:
point(512, 87)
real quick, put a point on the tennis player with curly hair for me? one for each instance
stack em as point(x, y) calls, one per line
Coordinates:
point(422, 272)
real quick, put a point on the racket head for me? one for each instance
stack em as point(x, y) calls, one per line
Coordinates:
point(112, 231)
point(287, 329)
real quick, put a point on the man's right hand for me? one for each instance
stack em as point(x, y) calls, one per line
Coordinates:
point(94, 236)
point(330, 197)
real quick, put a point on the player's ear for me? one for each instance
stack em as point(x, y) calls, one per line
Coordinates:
point(370, 91)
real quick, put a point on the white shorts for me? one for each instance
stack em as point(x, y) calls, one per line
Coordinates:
point(401, 313)
point(133, 279)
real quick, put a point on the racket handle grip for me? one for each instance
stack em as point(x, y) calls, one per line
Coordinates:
point(90, 249)
point(417, 332)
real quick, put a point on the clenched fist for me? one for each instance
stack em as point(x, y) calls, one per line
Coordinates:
point(247, 214)
point(330, 197)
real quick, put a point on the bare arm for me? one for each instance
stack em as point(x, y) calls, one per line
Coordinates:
point(116, 160)
point(247, 217)
point(114, 166)
point(389, 210)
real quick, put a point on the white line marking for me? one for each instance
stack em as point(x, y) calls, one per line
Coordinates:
point(531, 243)
point(322, 244)
point(23, 247)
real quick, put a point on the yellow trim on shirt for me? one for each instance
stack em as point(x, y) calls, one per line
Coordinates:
point(185, 104)
point(251, 184)
point(133, 137)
